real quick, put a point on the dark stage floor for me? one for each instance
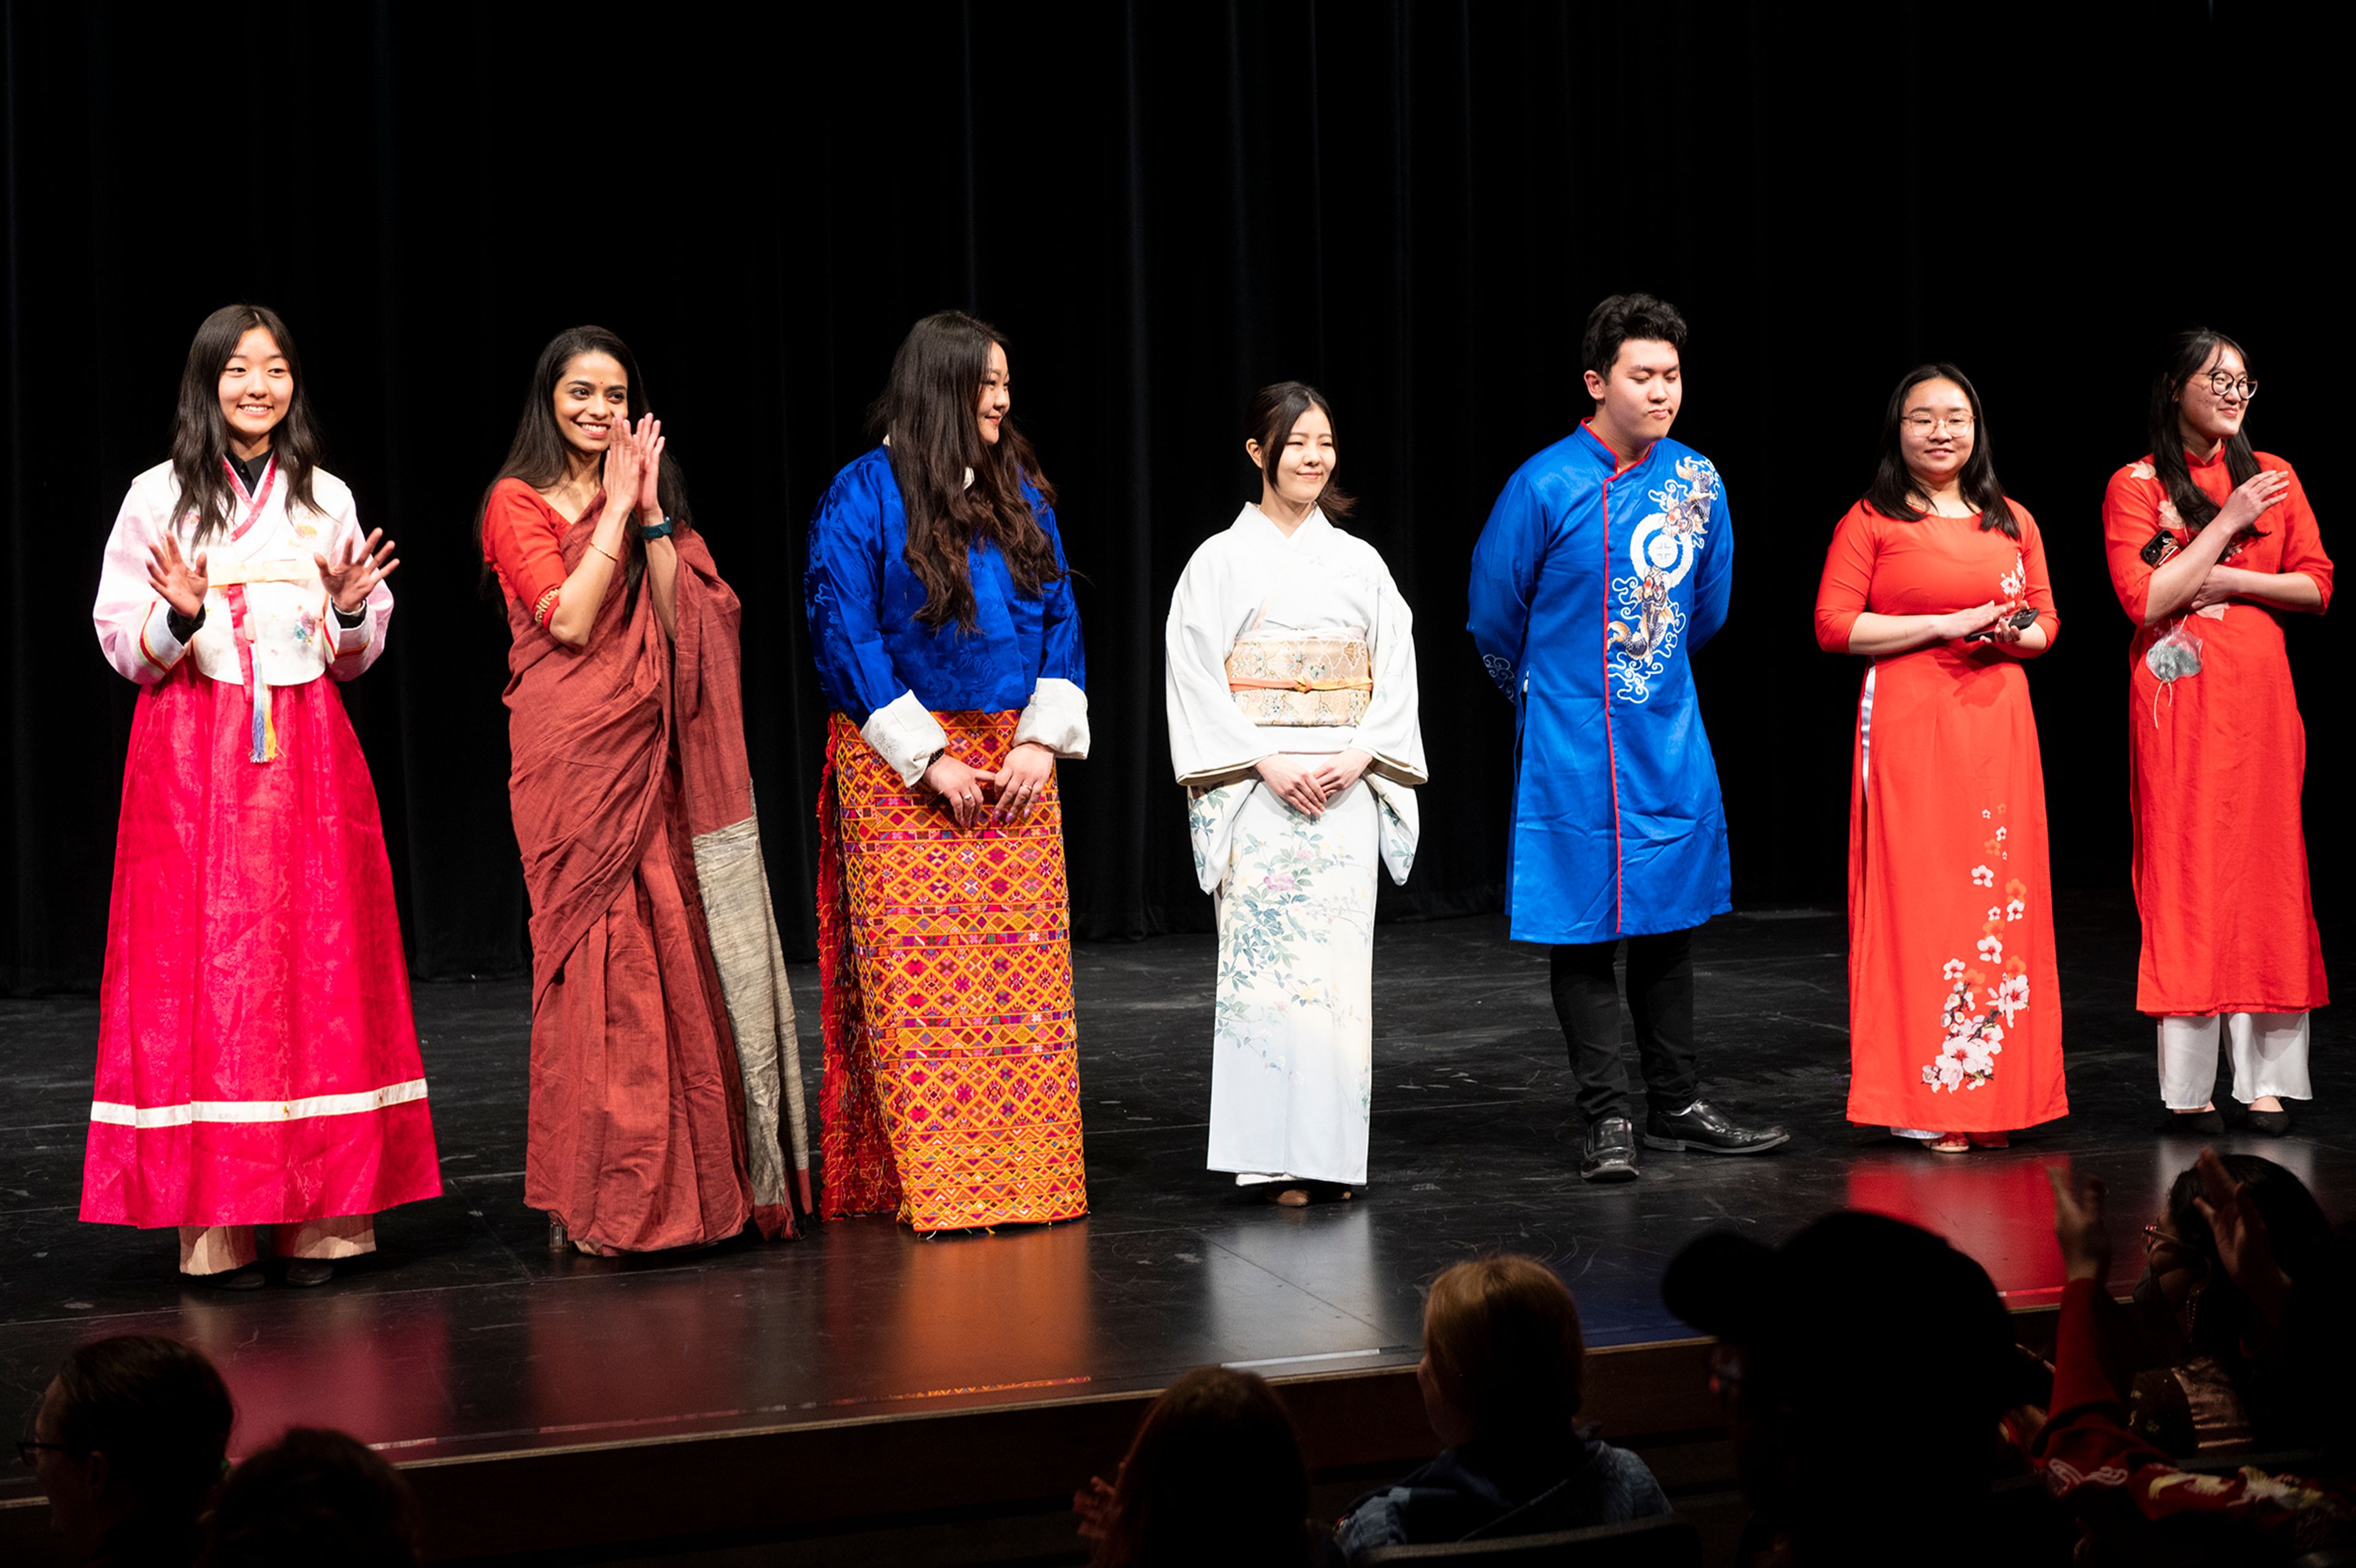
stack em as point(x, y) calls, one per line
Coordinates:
point(465, 1334)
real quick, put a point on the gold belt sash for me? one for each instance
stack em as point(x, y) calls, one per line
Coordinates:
point(1314, 680)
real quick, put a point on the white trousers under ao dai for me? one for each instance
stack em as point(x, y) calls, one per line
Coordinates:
point(2269, 1052)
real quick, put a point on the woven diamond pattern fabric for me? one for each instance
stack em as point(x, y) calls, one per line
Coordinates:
point(952, 1088)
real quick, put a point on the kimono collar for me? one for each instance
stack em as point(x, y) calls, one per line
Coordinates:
point(1252, 517)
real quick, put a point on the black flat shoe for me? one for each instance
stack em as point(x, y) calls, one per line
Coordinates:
point(246, 1278)
point(2208, 1124)
point(1609, 1153)
point(1702, 1126)
point(2270, 1124)
point(304, 1273)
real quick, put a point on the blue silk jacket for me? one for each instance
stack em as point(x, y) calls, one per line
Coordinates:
point(862, 600)
point(1589, 588)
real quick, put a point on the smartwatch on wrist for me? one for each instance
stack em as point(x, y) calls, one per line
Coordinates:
point(656, 530)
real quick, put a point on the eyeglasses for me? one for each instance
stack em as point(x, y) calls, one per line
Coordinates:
point(29, 1451)
point(2222, 382)
point(1927, 424)
point(2153, 1236)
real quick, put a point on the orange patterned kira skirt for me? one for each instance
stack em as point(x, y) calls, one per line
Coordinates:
point(952, 1088)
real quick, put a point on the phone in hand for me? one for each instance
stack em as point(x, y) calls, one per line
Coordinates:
point(2021, 620)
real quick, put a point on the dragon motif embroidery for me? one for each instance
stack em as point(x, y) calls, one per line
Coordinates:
point(1662, 551)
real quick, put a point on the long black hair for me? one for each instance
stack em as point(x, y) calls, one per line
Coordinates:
point(200, 431)
point(1270, 419)
point(1894, 491)
point(538, 453)
point(2187, 353)
point(927, 415)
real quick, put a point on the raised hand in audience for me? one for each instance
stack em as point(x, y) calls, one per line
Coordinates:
point(2080, 1226)
point(2243, 1246)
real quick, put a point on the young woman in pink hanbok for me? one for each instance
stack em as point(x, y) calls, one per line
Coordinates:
point(257, 1064)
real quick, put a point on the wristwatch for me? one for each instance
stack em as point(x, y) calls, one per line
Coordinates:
point(656, 530)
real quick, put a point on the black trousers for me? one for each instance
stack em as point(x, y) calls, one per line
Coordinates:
point(1660, 997)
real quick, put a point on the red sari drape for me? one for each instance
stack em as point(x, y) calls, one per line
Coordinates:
point(636, 1133)
point(1955, 1012)
point(2218, 756)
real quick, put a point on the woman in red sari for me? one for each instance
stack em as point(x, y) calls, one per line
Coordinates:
point(1954, 1018)
point(654, 1122)
point(2209, 542)
point(257, 1064)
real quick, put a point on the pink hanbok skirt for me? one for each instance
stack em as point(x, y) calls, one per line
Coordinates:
point(257, 1062)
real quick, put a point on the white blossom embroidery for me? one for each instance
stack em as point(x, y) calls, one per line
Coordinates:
point(1981, 1006)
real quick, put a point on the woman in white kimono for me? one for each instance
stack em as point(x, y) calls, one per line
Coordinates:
point(1292, 724)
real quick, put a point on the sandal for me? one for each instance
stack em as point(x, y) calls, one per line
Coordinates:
point(1301, 1194)
point(1950, 1143)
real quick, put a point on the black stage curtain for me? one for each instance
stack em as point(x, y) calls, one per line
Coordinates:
point(1163, 206)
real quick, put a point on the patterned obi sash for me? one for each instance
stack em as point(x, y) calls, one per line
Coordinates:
point(1302, 678)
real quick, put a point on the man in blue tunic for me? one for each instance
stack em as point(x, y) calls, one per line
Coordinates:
point(1608, 559)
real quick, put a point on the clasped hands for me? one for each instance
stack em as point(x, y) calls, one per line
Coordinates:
point(1012, 790)
point(1309, 785)
point(1995, 618)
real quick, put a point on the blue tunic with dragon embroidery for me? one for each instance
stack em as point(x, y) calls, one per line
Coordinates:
point(1590, 586)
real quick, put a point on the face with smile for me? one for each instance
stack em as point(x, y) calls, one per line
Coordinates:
point(593, 401)
point(2206, 416)
point(257, 386)
point(1306, 465)
point(1637, 402)
point(997, 395)
point(1935, 433)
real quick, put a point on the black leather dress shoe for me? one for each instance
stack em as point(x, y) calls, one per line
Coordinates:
point(2208, 1124)
point(2270, 1124)
point(1610, 1152)
point(1703, 1126)
point(307, 1271)
point(249, 1277)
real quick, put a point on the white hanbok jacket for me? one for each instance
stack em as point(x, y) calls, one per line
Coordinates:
point(291, 632)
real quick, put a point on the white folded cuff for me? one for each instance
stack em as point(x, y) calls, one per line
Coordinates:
point(157, 643)
point(904, 733)
point(1058, 719)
